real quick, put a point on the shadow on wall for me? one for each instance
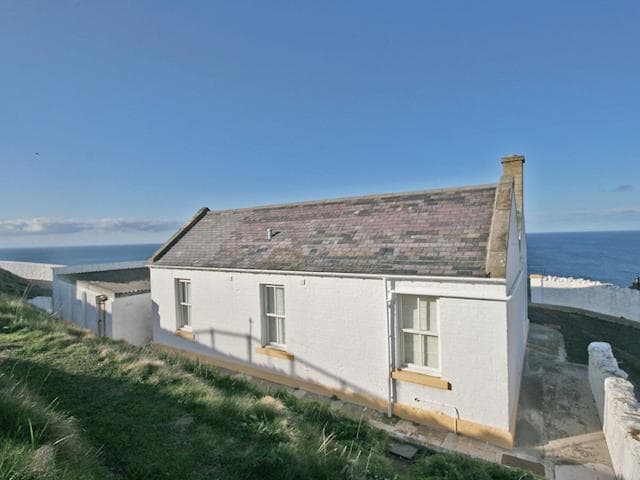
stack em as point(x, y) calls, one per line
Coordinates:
point(269, 365)
point(250, 361)
point(82, 311)
point(588, 295)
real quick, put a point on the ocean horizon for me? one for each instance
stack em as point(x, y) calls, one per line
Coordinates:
point(611, 257)
point(81, 254)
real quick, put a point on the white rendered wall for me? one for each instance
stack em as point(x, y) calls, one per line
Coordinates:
point(85, 313)
point(131, 318)
point(99, 267)
point(517, 331)
point(30, 270)
point(63, 298)
point(77, 304)
point(126, 317)
point(619, 410)
point(336, 328)
point(586, 295)
point(514, 254)
point(517, 310)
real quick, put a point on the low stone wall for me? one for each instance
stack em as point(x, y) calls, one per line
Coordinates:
point(618, 408)
point(30, 270)
point(584, 294)
point(602, 365)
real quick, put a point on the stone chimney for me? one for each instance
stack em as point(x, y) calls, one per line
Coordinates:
point(512, 166)
point(509, 186)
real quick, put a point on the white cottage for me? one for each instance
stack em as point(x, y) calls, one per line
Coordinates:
point(410, 303)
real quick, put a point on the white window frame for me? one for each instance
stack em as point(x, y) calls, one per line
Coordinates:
point(266, 315)
point(181, 304)
point(401, 330)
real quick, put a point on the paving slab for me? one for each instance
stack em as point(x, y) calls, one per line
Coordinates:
point(586, 448)
point(404, 450)
point(588, 471)
point(476, 449)
point(406, 427)
point(299, 393)
point(524, 464)
point(435, 436)
point(317, 397)
point(450, 442)
point(352, 411)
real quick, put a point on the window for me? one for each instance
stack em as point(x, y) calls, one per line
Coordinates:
point(183, 303)
point(274, 315)
point(419, 342)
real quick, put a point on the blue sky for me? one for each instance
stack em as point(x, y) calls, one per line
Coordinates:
point(119, 119)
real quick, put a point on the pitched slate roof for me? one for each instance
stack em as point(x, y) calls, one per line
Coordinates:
point(437, 232)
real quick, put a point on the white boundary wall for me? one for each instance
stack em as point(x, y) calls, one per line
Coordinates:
point(30, 270)
point(99, 267)
point(43, 303)
point(586, 295)
point(618, 409)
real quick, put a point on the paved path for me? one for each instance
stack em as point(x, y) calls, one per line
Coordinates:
point(558, 421)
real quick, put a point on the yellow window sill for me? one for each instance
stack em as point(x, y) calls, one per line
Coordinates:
point(274, 352)
point(188, 334)
point(420, 379)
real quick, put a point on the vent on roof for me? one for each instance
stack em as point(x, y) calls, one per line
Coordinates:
point(269, 233)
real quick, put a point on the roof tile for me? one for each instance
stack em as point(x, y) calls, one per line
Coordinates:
point(440, 232)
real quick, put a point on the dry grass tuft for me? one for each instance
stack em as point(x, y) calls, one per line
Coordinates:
point(273, 403)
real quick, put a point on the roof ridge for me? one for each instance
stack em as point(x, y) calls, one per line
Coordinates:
point(358, 197)
point(182, 231)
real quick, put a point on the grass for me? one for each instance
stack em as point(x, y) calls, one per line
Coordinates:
point(579, 330)
point(73, 406)
point(13, 284)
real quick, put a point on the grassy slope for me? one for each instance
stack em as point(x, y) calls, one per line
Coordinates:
point(14, 284)
point(579, 330)
point(75, 406)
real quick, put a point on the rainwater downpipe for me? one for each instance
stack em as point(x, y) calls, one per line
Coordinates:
point(101, 301)
point(388, 302)
point(387, 305)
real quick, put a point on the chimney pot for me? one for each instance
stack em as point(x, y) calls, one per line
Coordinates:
point(512, 158)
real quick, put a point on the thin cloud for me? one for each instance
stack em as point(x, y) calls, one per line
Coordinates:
point(623, 188)
point(57, 226)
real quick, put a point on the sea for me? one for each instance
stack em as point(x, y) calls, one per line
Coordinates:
point(80, 255)
point(611, 257)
